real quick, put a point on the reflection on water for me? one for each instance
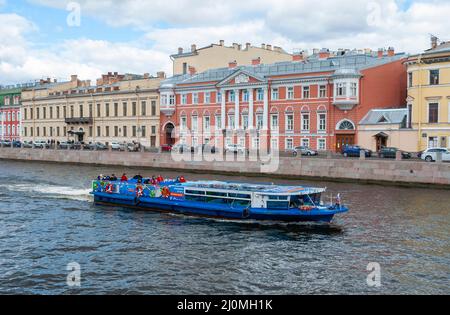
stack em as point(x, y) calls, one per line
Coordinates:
point(47, 220)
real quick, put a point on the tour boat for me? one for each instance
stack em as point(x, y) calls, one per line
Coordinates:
point(222, 200)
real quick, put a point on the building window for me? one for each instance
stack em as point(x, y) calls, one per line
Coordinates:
point(37, 113)
point(183, 123)
point(353, 89)
point(409, 118)
point(289, 122)
point(275, 94)
point(260, 95)
point(153, 130)
point(290, 93)
point(98, 110)
point(274, 144)
point(124, 109)
point(116, 109)
point(323, 91)
point(259, 122)
point(231, 122)
point(207, 98)
point(305, 142)
point(51, 112)
point(218, 97)
point(171, 99)
point(207, 123)
point(306, 92)
point(143, 131)
point(183, 99)
point(153, 108)
point(164, 99)
point(65, 131)
point(194, 122)
point(256, 143)
point(218, 122)
point(231, 96)
point(25, 132)
point(274, 125)
point(144, 108)
point(433, 113)
point(44, 131)
point(305, 122)
point(133, 131)
point(289, 144)
point(410, 79)
point(245, 96)
point(99, 131)
point(194, 98)
point(321, 144)
point(346, 125)
point(434, 77)
point(133, 109)
point(116, 131)
point(341, 89)
point(245, 121)
point(125, 133)
point(433, 142)
point(72, 114)
point(322, 124)
point(7, 100)
point(90, 131)
point(81, 111)
point(25, 113)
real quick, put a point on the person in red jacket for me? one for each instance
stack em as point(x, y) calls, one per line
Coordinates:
point(160, 179)
point(182, 179)
point(124, 178)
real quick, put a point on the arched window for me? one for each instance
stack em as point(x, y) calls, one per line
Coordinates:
point(345, 125)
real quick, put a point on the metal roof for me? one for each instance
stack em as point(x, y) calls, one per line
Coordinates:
point(385, 116)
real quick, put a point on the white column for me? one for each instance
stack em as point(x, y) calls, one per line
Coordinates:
point(223, 109)
point(236, 109)
point(251, 109)
point(3, 125)
point(266, 109)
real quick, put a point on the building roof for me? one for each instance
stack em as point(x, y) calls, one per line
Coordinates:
point(385, 116)
point(348, 64)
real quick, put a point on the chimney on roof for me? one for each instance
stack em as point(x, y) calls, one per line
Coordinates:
point(180, 50)
point(116, 74)
point(232, 64)
point(263, 46)
point(222, 42)
point(269, 47)
point(73, 77)
point(298, 56)
point(316, 51)
point(380, 52)
point(256, 62)
point(236, 46)
point(161, 74)
point(193, 48)
point(277, 48)
point(391, 52)
point(434, 41)
point(109, 73)
point(324, 53)
point(146, 75)
point(247, 46)
point(192, 70)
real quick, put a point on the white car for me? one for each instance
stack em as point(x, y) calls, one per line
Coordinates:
point(118, 146)
point(235, 148)
point(41, 144)
point(430, 155)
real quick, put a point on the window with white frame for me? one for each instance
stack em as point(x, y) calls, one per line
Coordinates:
point(163, 99)
point(207, 98)
point(289, 143)
point(274, 125)
point(323, 91)
point(305, 122)
point(322, 122)
point(259, 122)
point(218, 122)
point(305, 142)
point(207, 123)
point(242, 141)
point(16, 100)
point(353, 89)
point(7, 100)
point(275, 94)
point(321, 144)
point(194, 98)
point(245, 96)
point(290, 93)
point(341, 89)
point(256, 143)
point(171, 99)
point(218, 97)
point(306, 92)
point(260, 95)
point(183, 123)
point(194, 123)
point(231, 121)
point(274, 144)
point(289, 122)
point(183, 99)
point(231, 96)
point(245, 121)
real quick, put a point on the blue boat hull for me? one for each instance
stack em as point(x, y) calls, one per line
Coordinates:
point(212, 210)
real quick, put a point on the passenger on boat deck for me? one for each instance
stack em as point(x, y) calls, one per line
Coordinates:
point(160, 179)
point(181, 179)
point(113, 178)
point(137, 177)
point(153, 181)
point(100, 177)
point(147, 181)
point(124, 178)
point(107, 178)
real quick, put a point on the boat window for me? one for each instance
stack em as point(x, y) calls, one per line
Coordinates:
point(195, 192)
point(277, 205)
point(214, 193)
point(240, 196)
point(278, 197)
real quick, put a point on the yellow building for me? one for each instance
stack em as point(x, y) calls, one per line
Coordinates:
point(198, 60)
point(429, 95)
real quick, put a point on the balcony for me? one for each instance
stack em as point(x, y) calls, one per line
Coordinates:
point(79, 121)
point(346, 103)
point(168, 110)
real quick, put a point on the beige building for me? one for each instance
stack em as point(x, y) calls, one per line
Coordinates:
point(387, 128)
point(219, 56)
point(120, 108)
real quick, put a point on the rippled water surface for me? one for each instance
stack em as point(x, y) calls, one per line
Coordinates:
point(47, 220)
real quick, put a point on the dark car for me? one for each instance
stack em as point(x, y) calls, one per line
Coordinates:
point(95, 146)
point(355, 151)
point(391, 153)
point(5, 143)
point(17, 144)
point(166, 148)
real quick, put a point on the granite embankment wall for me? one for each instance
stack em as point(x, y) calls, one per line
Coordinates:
point(414, 173)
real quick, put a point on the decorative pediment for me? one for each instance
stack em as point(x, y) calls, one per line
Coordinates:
point(409, 99)
point(241, 77)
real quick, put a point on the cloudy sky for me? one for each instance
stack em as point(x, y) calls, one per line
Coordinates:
point(57, 38)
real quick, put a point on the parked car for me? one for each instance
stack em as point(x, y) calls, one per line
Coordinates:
point(166, 148)
point(41, 144)
point(235, 148)
point(17, 144)
point(207, 148)
point(133, 147)
point(355, 151)
point(65, 145)
point(181, 148)
point(5, 143)
point(391, 153)
point(304, 151)
point(95, 146)
point(118, 146)
point(430, 155)
point(28, 144)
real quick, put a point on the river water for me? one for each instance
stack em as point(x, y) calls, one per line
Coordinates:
point(47, 220)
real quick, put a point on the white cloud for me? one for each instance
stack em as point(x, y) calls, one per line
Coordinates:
point(169, 24)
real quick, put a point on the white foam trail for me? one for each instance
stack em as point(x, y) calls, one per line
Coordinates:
point(51, 190)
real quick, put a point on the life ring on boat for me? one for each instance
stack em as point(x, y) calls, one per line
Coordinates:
point(139, 191)
point(246, 214)
point(165, 192)
point(109, 188)
point(306, 208)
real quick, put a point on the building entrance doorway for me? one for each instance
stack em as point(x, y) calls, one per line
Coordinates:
point(381, 140)
point(168, 134)
point(343, 140)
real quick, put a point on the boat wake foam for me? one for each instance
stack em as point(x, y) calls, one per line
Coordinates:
point(52, 191)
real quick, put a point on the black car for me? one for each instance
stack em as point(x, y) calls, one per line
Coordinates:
point(17, 144)
point(391, 153)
